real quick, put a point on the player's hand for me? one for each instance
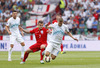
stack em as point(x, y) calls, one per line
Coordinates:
point(76, 39)
point(46, 24)
point(9, 33)
point(49, 31)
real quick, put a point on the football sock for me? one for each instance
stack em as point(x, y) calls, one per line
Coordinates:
point(61, 47)
point(25, 56)
point(9, 52)
point(41, 55)
point(22, 52)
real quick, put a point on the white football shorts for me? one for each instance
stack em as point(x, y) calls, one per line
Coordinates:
point(17, 38)
point(53, 48)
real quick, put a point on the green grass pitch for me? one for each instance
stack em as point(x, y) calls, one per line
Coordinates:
point(69, 60)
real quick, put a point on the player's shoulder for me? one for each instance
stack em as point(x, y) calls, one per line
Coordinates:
point(10, 19)
point(44, 28)
point(36, 28)
point(18, 18)
point(66, 26)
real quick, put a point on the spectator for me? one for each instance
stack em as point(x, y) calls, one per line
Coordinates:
point(94, 34)
point(66, 14)
point(96, 15)
point(70, 24)
point(1, 33)
point(82, 27)
point(7, 2)
point(62, 6)
point(75, 25)
point(2, 3)
point(39, 2)
point(94, 25)
point(89, 24)
point(89, 34)
point(80, 19)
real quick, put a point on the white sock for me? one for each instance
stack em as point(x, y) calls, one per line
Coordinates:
point(22, 52)
point(9, 52)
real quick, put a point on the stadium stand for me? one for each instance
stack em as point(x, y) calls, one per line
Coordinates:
point(82, 16)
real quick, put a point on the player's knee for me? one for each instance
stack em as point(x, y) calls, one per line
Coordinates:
point(11, 45)
point(27, 51)
point(47, 54)
point(23, 44)
point(42, 46)
point(53, 58)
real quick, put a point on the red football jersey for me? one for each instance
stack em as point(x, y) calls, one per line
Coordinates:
point(40, 35)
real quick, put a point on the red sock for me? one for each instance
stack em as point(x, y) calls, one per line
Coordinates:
point(25, 56)
point(61, 47)
point(41, 56)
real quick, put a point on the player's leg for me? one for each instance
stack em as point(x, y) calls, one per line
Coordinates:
point(62, 52)
point(26, 55)
point(54, 53)
point(49, 49)
point(53, 56)
point(10, 52)
point(21, 41)
point(33, 49)
point(42, 47)
point(61, 48)
point(22, 50)
point(12, 40)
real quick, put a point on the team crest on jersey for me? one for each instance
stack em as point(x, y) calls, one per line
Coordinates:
point(41, 32)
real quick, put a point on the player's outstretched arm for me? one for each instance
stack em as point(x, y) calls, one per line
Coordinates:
point(26, 31)
point(7, 29)
point(72, 36)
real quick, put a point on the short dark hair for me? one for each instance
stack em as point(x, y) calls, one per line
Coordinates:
point(40, 22)
point(14, 11)
point(60, 19)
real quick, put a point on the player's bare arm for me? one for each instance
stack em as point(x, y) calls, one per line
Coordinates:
point(46, 26)
point(26, 31)
point(21, 31)
point(71, 36)
point(7, 29)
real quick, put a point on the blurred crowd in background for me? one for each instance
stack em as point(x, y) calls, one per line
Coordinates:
point(22, 6)
point(82, 17)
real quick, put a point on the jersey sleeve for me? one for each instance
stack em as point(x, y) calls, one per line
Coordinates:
point(8, 22)
point(66, 28)
point(52, 25)
point(32, 31)
point(19, 21)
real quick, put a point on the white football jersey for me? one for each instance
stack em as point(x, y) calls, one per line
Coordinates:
point(58, 33)
point(13, 25)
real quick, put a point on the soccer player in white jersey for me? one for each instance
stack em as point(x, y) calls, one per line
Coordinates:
point(55, 41)
point(13, 27)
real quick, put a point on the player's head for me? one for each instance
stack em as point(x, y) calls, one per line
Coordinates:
point(60, 22)
point(40, 24)
point(14, 14)
point(58, 16)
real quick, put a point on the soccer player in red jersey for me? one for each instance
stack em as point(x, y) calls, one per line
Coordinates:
point(56, 21)
point(41, 38)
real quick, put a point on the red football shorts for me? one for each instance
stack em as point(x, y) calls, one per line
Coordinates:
point(36, 47)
